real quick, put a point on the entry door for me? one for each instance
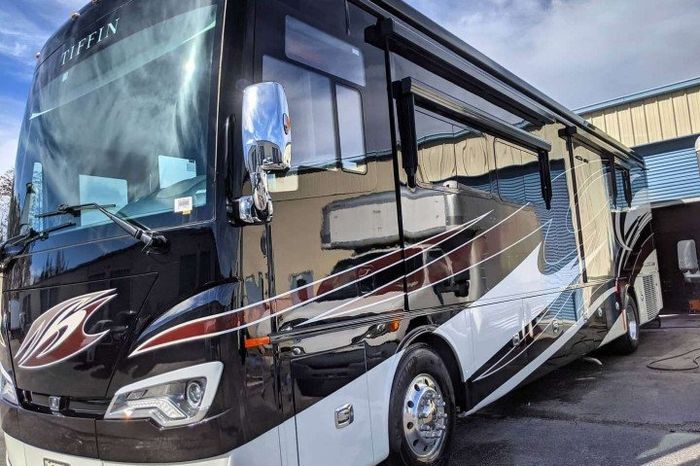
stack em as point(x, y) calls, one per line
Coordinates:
point(325, 264)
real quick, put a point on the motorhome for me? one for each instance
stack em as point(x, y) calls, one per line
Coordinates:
point(298, 232)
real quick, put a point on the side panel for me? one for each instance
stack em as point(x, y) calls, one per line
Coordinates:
point(502, 267)
point(333, 246)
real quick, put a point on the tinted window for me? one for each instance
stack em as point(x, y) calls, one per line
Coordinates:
point(311, 108)
point(327, 118)
point(350, 129)
point(436, 154)
point(449, 151)
point(324, 52)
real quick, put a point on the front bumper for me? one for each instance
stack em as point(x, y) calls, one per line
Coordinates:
point(22, 454)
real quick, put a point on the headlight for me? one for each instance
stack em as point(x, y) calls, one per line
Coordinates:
point(173, 399)
point(8, 392)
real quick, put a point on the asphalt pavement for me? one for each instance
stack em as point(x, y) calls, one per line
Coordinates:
point(620, 413)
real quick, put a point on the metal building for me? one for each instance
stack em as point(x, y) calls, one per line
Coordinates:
point(663, 126)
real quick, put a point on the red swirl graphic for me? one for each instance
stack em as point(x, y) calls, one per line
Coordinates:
point(59, 333)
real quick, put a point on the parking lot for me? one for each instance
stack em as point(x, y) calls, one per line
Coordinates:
point(620, 413)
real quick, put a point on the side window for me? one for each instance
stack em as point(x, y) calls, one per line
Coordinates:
point(596, 216)
point(518, 174)
point(311, 107)
point(436, 154)
point(471, 152)
point(326, 110)
point(451, 152)
point(350, 127)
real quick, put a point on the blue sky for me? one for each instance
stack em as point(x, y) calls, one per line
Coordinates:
point(578, 51)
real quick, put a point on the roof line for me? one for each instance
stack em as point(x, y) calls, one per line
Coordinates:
point(653, 92)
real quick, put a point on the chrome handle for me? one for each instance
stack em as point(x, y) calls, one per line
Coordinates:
point(344, 416)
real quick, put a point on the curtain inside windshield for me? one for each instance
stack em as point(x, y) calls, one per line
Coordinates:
point(127, 125)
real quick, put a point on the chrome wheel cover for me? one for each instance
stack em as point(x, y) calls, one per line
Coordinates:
point(632, 326)
point(424, 418)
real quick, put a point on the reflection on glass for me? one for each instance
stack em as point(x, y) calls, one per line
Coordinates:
point(127, 124)
point(324, 52)
point(311, 109)
point(350, 127)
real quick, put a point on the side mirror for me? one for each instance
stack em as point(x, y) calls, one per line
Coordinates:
point(267, 146)
point(687, 256)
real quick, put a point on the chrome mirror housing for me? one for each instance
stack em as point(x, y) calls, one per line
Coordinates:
point(267, 146)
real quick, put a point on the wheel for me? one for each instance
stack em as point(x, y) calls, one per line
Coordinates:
point(628, 343)
point(421, 409)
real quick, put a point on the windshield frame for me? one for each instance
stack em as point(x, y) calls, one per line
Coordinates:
point(162, 221)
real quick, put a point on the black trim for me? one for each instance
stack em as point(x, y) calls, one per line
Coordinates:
point(432, 99)
point(410, 92)
point(581, 136)
point(472, 57)
point(612, 179)
point(579, 232)
point(416, 48)
point(627, 185)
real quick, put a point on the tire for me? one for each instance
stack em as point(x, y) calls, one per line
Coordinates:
point(628, 343)
point(422, 396)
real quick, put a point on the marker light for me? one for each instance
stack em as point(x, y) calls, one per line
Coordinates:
point(8, 392)
point(173, 399)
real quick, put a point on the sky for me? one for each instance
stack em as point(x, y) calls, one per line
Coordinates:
point(577, 51)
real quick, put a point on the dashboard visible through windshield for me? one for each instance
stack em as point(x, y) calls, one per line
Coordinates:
point(121, 115)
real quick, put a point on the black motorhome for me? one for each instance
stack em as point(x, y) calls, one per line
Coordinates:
point(298, 232)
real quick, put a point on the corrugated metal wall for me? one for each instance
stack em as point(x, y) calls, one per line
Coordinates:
point(655, 119)
point(673, 176)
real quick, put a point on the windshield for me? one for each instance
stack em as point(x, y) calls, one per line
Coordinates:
point(121, 115)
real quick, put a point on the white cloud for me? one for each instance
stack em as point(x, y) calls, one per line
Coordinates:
point(581, 51)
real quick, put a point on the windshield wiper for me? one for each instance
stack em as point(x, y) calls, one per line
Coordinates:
point(16, 245)
point(153, 241)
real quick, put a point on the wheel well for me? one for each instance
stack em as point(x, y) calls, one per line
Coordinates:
point(444, 350)
point(633, 295)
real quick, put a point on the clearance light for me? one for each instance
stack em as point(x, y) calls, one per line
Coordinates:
point(173, 399)
point(8, 392)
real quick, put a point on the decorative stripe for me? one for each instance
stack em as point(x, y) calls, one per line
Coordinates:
point(237, 319)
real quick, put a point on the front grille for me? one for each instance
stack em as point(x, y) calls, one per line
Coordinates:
point(68, 407)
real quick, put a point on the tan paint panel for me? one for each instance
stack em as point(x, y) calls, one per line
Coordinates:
point(598, 120)
point(624, 120)
point(639, 122)
point(655, 119)
point(611, 126)
point(694, 109)
point(682, 114)
point(651, 110)
point(668, 119)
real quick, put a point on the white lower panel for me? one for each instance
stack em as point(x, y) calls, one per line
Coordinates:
point(541, 359)
point(321, 442)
